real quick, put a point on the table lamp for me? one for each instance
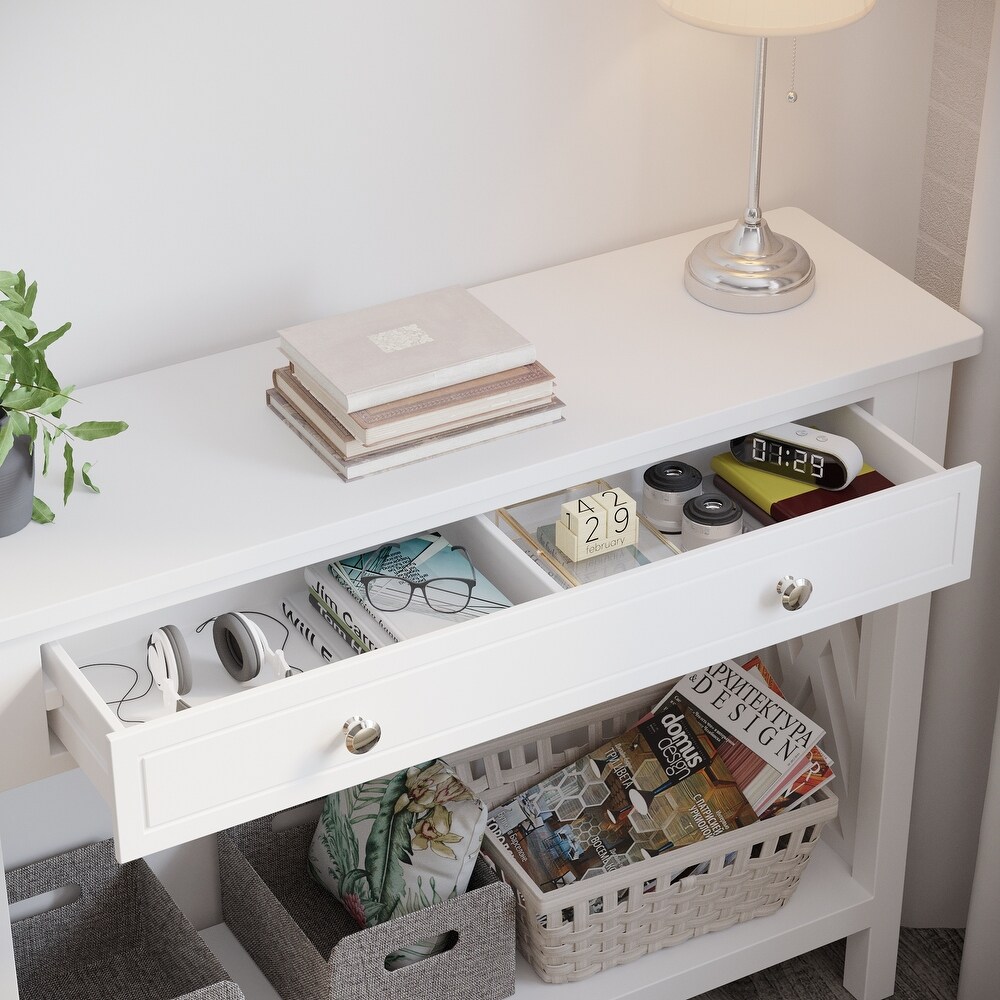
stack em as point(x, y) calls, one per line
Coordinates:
point(751, 269)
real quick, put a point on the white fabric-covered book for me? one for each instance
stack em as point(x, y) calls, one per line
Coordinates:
point(402, 348)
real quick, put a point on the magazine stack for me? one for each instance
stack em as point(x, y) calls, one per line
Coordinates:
point(389, 385)
point(720, 751)
point(623, 830)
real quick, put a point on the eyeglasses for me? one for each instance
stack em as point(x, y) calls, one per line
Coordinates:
point(448, 595)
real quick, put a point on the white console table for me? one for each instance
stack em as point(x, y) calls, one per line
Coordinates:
point(209, 502)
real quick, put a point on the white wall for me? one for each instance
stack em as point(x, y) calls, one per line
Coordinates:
point(186, 177)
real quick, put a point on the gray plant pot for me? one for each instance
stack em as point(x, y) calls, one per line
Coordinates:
point(17, 484)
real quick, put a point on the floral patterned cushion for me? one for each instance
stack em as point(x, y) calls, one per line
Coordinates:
point(397, 844)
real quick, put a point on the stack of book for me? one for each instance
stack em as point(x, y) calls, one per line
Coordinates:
point(381, 387)
point(768, 497)
point(722, 750)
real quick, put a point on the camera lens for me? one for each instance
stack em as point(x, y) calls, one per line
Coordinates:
point(709, 518)
point(666, 487)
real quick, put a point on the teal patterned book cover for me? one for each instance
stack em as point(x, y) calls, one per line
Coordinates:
point(418, 585)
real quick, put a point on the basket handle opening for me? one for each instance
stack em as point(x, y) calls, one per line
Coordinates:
point(288, 819)
point(44, 902)
point(420, 951)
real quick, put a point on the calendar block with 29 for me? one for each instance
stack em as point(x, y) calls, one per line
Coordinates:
point(597, 523)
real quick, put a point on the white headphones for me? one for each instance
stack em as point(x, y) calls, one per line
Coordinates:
point(242, 647)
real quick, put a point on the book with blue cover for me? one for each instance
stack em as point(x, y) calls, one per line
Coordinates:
point(418, 585)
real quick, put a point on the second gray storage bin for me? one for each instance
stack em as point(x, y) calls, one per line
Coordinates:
point(310, 949)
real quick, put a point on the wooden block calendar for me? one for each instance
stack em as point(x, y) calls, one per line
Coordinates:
point(596, 523)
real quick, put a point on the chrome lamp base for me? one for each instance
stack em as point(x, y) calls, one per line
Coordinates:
point(750, 269)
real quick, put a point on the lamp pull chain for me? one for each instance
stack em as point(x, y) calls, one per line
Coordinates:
point(792, 96)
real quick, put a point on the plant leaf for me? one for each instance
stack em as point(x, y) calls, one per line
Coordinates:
point(69, 476)
point(46, 445)
point(29, 294)
point(91, 430)
point(52, 405)
point(43, 374)
point(86, 477)
point(388, 848)
point(340, 840)
point(8, 283)
point(19, 422)
point(6, 439)
point(46, 380)
point(44, 343)
point(26, 398)
point(41, 512)
point(23, 364)
point(21, 325)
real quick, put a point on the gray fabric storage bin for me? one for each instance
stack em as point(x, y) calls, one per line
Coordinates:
point(310, 949)
point(122, 939)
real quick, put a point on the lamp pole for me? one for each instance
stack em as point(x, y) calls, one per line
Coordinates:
point(752, 215)
point(750, 268)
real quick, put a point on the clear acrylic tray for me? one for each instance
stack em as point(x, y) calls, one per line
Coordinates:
point(531, 526)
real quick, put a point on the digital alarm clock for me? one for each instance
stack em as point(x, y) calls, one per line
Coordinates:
point(801, 453)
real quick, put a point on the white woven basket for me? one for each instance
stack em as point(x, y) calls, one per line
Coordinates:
point(574, 931)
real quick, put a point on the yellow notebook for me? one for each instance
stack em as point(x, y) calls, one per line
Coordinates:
point(765, 489)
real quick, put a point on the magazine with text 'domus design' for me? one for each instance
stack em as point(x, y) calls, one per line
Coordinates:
point(767, 741)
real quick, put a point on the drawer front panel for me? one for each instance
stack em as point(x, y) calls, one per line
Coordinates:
point(274, 747)
point(271, 747)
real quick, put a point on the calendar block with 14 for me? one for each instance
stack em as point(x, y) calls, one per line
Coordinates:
point(597, 523)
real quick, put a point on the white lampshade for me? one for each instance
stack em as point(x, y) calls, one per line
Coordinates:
point(767, 18)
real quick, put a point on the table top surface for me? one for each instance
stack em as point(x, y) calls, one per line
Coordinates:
point(208, 489)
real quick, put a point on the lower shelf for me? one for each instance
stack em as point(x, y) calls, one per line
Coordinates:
point(828, 905)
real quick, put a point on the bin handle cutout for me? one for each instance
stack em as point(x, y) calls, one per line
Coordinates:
point(44, 902)
point(288, 819)
point(444, 943)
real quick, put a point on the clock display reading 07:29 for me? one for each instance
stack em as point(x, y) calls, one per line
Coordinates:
point(806, 465)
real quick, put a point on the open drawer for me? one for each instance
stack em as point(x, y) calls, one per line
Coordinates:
point(556, 651)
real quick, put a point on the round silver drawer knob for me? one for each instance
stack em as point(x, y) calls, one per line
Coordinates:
point(361, 734)
point(794, 592)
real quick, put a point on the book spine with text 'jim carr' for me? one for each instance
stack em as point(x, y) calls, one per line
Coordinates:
point(335, 622)
point(342, 603)
point(368, 613)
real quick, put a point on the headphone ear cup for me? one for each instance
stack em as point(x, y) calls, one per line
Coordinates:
point(239, 644)
point(181, 657)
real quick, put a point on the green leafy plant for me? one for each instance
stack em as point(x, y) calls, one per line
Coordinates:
point(32, 396)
